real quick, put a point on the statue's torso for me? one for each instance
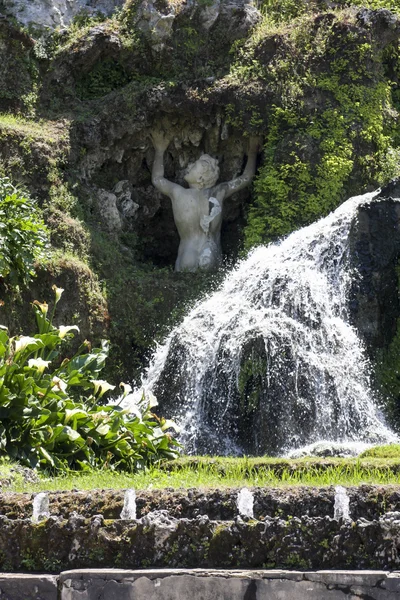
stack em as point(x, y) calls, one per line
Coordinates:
point(199, 228)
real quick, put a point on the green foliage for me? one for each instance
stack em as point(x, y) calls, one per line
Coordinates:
point(85, 19)
point(23, 234)
point(106, 76)
point(311, 156)
point(281, 11)
point(50, 412)
point(19, 70)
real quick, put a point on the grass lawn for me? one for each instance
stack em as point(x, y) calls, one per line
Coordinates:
point(375, 466)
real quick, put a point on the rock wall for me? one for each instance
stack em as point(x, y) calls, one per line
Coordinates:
point(161, 541)
point(292, 529)
point(375, 252)
point(54, 13)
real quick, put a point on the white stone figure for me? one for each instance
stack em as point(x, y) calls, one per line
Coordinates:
point(198, 210)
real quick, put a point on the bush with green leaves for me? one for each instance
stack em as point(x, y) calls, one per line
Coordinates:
point(23, 234)
point(51, 415)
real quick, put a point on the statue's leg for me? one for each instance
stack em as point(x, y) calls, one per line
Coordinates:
point(188, 256)
point(210, 255)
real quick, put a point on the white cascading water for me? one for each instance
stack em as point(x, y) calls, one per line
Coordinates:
point(286, 307)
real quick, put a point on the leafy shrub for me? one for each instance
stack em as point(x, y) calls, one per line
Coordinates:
point(107, 75)
point(23, 234)
point(50, 415)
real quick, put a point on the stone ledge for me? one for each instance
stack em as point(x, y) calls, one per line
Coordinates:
point(212, 584)
point(20, 586)
point(201, 584)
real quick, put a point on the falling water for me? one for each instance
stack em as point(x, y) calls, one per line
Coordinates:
point(40, 508)
point(245, 503)
point(129, 510)
point(270, 362)
point(342, 504)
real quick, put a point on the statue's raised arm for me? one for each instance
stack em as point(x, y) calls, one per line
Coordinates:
point(161, 143)
point(235, 185)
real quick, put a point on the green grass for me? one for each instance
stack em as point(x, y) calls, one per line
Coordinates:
point(388, 451)
point(208, 473)
point(50, 131)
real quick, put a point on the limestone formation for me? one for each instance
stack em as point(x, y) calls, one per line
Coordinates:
point(56, 13)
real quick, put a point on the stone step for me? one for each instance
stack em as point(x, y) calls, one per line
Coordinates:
point(198, 584)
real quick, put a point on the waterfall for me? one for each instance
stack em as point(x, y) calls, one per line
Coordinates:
point(270, 361)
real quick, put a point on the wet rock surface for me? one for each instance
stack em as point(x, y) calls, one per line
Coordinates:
point(207, 584)
point(375, 251)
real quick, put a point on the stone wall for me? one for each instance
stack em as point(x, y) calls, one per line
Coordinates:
point(366, 501)
point(202, 585)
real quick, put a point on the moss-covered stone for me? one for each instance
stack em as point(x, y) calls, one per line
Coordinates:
point(299, 543)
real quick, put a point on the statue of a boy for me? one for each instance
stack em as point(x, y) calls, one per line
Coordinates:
point(198, 210)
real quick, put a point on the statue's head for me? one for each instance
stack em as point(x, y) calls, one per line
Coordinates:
point(203, 173)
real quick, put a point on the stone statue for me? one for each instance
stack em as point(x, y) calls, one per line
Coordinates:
point(198, 210)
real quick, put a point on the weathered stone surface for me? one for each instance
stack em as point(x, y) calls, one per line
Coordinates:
point(347, 578)
point(109, 214)
point(55, 13)
point(28, 587)
point(200, 584)
point(224, 585)
point(300, 543)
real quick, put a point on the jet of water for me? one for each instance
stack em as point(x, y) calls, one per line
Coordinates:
point(129, 510)
point(40, 507)
point(245, 503)
point(342, 504)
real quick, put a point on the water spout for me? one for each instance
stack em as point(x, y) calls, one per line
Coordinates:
point(342, 504)
point(40, 508)
point(245, 503)
point(128, 512)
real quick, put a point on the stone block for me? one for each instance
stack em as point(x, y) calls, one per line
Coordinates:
point(18, 586)
point(392, 582)
point(128, 585)
point(347, 578)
